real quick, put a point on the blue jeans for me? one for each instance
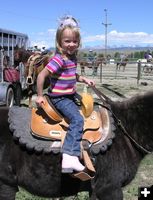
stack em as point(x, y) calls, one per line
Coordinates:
point(68, 108)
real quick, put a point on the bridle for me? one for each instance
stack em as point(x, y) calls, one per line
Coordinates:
point(105, 99)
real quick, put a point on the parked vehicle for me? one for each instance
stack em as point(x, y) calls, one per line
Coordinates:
point(12, 81)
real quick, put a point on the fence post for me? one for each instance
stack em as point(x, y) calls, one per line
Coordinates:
point(139, 72)
point(101, 72)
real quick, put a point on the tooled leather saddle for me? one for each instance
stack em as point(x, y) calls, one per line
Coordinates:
point(47, 123)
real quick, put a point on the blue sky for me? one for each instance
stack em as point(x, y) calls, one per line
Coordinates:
point(131, 20)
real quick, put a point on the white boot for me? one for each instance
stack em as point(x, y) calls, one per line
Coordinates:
point(71, 163)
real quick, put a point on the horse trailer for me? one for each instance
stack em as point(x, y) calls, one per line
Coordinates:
point(10, 89)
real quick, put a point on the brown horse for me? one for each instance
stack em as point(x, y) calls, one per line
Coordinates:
point(33, 63)
point(84, 64)
point(91, 65)
point(122, 63)
point(21, 55)
point(98, 63)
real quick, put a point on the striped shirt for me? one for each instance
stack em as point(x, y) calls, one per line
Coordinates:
point(63, 76)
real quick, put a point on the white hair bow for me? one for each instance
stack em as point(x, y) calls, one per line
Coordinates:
point(68, 20)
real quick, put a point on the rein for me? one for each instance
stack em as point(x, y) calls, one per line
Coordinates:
point(105, 99)
point(133, 140)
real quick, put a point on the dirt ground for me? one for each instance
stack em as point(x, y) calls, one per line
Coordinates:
point(127, 82)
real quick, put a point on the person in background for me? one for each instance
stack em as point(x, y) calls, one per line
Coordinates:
point(148, 56)
point(62, 91)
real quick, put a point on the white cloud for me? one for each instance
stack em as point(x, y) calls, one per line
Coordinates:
point(137, 37)
point(93, 38)
point(114, 38)
point(120, 38)
point(43, 39)
point(51, 31)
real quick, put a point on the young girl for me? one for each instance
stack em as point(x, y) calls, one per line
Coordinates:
point(63, 78)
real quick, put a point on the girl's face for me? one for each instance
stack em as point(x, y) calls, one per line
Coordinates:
point(69, 42)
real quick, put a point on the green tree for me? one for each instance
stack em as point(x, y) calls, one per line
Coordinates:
point(117, 55)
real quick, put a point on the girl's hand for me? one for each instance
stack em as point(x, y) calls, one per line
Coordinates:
point(40, 100)
point(83, 79)
point(89, 81)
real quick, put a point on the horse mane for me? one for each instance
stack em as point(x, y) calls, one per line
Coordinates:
point(21, 55)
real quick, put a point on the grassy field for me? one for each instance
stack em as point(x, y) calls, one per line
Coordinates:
point(144, 177)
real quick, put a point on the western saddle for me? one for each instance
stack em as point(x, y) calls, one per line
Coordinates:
point(47, 123)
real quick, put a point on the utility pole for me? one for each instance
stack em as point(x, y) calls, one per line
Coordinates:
point(106, 25)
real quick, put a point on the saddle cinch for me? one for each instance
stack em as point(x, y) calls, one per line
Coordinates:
point(47, 123)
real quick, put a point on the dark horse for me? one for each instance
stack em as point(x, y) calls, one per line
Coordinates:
point(22, 55)
point(41, 174)
point(33, 62)
point(122, 63)
point(93, 65)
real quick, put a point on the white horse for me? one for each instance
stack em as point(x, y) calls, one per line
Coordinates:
point(146, 66)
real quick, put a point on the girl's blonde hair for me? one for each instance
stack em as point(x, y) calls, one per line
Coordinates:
point(67, 23)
